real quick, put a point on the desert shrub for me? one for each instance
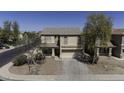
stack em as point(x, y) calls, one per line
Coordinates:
point(38, 56)
point(20, 60)
point(47, 51)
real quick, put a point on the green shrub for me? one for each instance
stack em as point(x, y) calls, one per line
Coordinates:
point(20, 60)
point(47, 51)
point(38, 56)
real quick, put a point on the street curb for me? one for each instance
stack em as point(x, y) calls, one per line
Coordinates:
point(7, 79)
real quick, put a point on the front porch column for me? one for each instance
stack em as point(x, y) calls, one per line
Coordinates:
point(60, 47)
point(60, 53)
point(53, 52)
point(97, 51)
point(121, 54)
point(110, 52)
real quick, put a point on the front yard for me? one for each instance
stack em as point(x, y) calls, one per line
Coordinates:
point(49, 67)
point(105, 66)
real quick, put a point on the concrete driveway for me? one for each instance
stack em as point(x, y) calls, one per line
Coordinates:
point(74, 67)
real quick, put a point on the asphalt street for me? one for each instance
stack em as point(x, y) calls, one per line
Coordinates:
point(7, 56)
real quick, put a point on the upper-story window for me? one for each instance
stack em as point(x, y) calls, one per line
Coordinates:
point(48, 38)
point(65, 40)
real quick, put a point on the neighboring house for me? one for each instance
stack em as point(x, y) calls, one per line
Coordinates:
point(118, 41)
point(105, 50)
point(62, 42)
point(115, 47)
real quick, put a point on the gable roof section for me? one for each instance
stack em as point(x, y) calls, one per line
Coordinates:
point(61, 31)
point(109, 44)
point(72, 31)
point(118, 32)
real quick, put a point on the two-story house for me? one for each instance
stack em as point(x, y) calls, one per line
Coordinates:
point(66, 42)
point(62, 42)
point(118, 41)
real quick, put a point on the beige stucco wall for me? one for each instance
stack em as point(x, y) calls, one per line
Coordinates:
point(72, 41)
point(47, 39)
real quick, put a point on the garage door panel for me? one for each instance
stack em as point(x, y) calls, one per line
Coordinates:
point(68, 53)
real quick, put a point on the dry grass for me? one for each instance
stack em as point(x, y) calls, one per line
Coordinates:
point(49, 67)
point(107, 65)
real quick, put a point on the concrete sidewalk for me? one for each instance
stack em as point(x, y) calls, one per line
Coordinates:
point(120, 59)
point(4, 50)
point(6, 75)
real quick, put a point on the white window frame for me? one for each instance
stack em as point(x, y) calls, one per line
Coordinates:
point(48, 38)
point(65, 40)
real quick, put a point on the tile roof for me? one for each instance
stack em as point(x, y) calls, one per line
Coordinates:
point(109, 44)
point(73, 31)
point(61, 31)
point(118, 32)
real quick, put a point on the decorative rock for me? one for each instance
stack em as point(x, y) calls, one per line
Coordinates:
point(105, 66)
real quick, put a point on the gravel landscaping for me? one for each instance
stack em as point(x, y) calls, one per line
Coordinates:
point(52, 67)
point(105, 65)
point(49, 67)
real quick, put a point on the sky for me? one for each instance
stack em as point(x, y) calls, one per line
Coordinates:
point(37, 20)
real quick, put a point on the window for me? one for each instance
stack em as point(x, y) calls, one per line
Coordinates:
point(48, 38)
point(65, 40)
